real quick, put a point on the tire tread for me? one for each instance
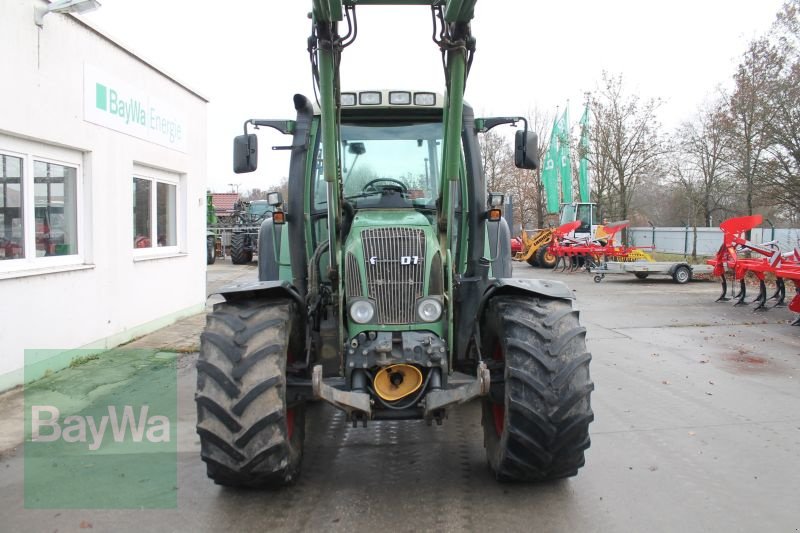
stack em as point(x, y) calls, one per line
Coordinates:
point(547, 390)
point(241, 406)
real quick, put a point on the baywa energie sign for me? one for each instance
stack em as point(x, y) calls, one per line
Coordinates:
point(121, 106)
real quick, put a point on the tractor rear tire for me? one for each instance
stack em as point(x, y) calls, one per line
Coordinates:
point(537, 415)
point(239, 255)
point(545, 258)
point(211, 252)
point(249, 436)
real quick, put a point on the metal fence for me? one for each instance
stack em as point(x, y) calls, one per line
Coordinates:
point(680, 240)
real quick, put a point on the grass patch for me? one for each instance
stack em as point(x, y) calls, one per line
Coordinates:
point(82, 360)
point(663, 256)
point(130, 341)
point(180, 349)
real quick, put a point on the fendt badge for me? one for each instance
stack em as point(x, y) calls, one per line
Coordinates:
point(404, 260)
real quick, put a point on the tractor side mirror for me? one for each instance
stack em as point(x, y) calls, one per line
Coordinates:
point(245, 153)
point(526, 150)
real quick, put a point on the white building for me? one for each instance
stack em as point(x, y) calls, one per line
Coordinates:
point(102, 191)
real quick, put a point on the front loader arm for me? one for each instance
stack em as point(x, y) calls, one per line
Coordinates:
point(456, 43)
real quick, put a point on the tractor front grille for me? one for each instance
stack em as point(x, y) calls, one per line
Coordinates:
point(395, 266)
point(352, 276)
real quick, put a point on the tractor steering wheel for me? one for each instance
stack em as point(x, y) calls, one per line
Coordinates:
point(369, 185)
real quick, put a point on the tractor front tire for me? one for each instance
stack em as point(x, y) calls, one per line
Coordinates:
point(239, 254)
point(536, 418)
point(249, 436)
point(545, 258)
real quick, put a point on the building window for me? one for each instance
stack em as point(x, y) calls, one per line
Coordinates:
point(56, 209)
point(40, 205)
point(142, 213)
point(165, 211)
point(12, 240)
point(155, 208)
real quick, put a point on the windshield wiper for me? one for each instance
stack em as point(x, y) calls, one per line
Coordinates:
point(362, 195)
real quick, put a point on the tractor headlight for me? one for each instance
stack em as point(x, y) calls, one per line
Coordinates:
point(429, 310)
point(362, 311)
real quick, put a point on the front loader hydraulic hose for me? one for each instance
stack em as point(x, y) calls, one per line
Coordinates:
point(313, 271)
point(313, 297)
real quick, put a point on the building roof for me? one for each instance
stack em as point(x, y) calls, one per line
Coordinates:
point(223, 202)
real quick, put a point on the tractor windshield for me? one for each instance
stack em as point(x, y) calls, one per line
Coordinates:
point(382, 160)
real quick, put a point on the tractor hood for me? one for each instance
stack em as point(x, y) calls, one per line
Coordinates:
point(369, 218)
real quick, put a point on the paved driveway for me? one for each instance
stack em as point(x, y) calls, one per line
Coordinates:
point(697, 428)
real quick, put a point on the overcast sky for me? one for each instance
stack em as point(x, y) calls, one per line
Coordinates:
point(248, 57)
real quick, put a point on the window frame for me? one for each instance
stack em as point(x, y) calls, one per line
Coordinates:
point(155, 177)
point(30, 152)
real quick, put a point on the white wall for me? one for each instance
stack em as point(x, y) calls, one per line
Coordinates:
point(41, 106)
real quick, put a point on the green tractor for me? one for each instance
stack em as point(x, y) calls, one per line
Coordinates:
point(385, 285)
point(248, 218)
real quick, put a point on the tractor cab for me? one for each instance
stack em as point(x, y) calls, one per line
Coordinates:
point(390, 149)
point(586, 213)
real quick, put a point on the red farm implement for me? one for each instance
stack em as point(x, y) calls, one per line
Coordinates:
point(738, 256)
point(591, 252)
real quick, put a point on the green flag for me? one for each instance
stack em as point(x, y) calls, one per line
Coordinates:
point(550, 172)
point(583, 168)
point(564, 161)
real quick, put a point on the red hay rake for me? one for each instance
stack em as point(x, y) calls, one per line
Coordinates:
point(764, 258)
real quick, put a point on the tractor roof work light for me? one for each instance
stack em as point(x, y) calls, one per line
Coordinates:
point(349, 99)
point(64, 6)
point(426, 99)
point(400, 98)
point(369, 98)
point(496, 199)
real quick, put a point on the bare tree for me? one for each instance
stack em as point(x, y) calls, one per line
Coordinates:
point(254, 194)
point(787, 27)
point(495, 153)
point(750, 115)
point(521, 183)
point(782, 170)
point(626, 146)
point(602, 172)
point(782, 176)
point(702, 169)
point(540, 122)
